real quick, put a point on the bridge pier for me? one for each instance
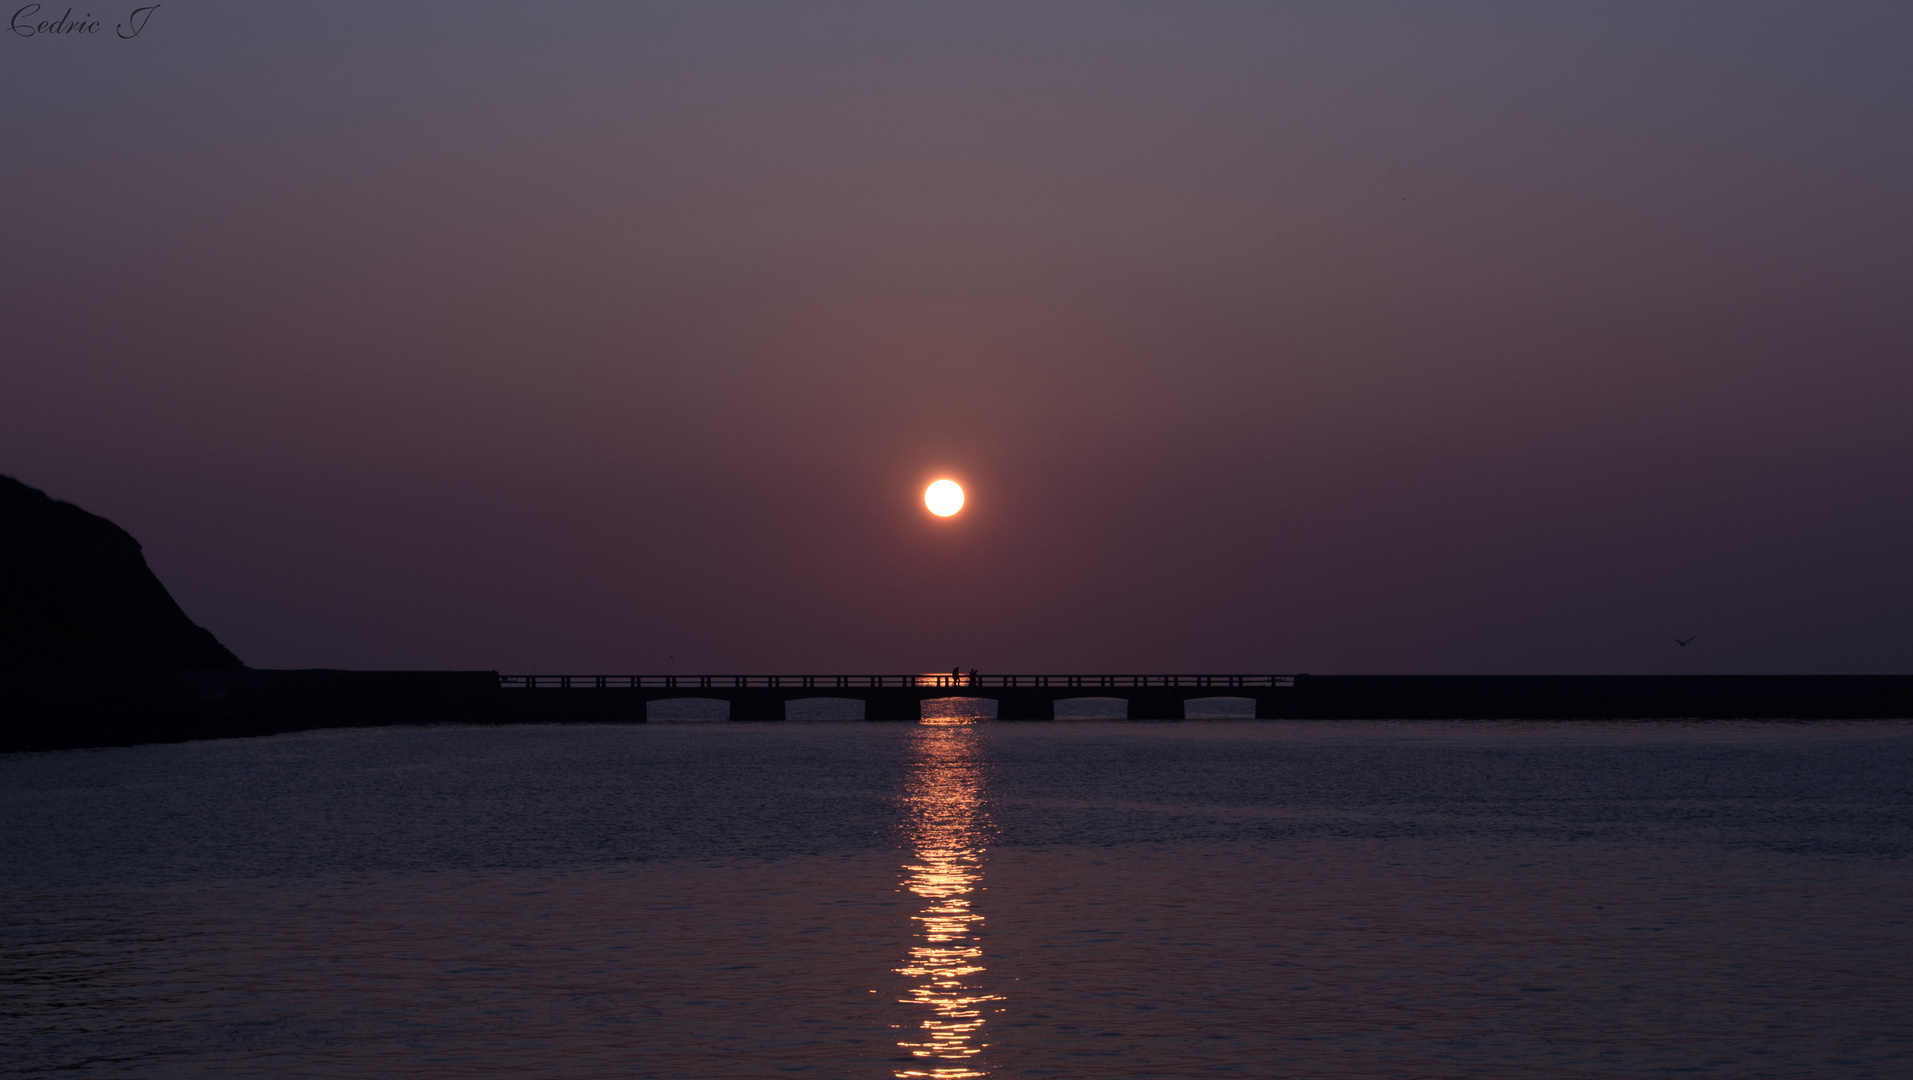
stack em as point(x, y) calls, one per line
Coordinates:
point(1013, 706)
point(1156, 704)
point(760, 706)
point(892, 705)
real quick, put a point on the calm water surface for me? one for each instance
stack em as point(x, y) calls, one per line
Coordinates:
point(954, 899)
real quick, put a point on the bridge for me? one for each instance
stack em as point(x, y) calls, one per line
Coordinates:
point(623, 698)
point(58, 710)
point(899, 697)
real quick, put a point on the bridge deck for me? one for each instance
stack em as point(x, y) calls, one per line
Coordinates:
point(1164, 697)
point(53, 710)
point(889, 697)
point(878, 682)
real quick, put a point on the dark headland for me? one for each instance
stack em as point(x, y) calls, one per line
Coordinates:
point(78, 595)
point(95, 652)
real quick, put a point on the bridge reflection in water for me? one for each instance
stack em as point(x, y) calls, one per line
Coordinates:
point(948, 827)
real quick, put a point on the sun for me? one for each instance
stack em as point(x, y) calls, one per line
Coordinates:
point(945, 497)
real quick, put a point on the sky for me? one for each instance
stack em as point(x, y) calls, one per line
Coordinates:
point(1318, 337)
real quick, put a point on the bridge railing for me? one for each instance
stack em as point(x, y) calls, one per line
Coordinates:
point(874, 682)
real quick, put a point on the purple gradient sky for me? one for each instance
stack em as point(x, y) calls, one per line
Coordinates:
point(1320, 337)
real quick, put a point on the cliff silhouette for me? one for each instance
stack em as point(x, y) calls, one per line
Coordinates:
point(76, 593)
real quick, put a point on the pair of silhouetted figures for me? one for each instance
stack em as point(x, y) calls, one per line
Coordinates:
point(956, 676)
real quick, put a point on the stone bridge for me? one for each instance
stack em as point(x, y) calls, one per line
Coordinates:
point(896, 697)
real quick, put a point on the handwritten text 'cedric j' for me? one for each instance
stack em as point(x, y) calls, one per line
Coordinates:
point(25, 24)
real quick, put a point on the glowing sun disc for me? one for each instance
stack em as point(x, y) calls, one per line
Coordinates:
point(945, 497)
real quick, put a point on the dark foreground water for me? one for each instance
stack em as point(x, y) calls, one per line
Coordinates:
point(1249, 899)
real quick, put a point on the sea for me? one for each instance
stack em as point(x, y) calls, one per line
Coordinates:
point(965, 898)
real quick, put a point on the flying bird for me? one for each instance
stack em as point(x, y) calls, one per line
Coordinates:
point(1683, 644)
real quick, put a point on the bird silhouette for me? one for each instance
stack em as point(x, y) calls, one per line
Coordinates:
point(1683, 644)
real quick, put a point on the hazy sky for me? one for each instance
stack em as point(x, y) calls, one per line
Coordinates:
point(1317, 337)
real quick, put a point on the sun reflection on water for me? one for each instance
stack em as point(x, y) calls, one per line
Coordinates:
point(947, 829)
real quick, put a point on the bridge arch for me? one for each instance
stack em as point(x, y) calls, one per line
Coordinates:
point(956, 708)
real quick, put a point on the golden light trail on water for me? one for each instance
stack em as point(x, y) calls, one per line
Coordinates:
point(947, 827)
